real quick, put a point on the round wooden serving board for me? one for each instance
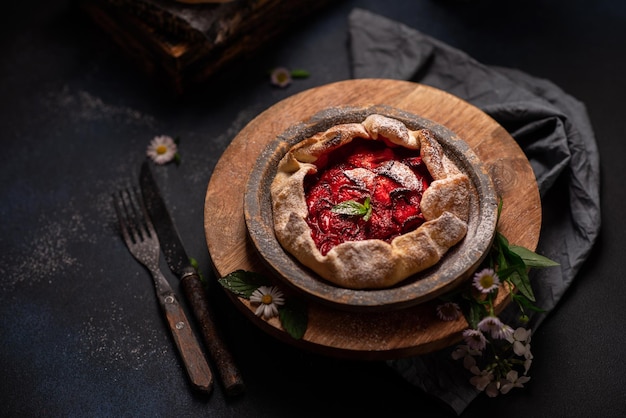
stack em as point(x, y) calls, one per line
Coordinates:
point(366, 335)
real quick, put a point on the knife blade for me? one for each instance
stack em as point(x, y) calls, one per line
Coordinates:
point(180, 264)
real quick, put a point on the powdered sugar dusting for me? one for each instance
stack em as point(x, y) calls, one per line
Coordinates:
point(401, 174)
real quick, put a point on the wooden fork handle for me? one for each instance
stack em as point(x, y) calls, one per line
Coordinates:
point(187, 344)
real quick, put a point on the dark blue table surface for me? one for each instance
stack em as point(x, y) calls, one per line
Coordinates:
point(80, 329)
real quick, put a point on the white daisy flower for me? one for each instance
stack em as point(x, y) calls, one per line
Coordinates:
point(269, 299)
point(281, 77)
point(448, 311)
point(486, 280)
point(162, 149)
point(495, 327)
point(475, 339)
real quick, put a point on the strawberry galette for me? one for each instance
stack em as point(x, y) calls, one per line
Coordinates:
point(366, 205)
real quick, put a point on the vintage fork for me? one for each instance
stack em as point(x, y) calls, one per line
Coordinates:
point(143, 243)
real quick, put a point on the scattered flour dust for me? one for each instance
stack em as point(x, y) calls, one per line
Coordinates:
point(107, 335)
point(118, 344)
point(87, 107)
point(46, 254)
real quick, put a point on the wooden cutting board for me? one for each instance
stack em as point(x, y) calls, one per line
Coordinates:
point(369, 335)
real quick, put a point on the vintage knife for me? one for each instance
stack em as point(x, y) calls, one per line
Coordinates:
point(180, 264)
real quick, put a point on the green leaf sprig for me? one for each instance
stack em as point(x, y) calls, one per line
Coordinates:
point(512, 263)
point(292, 315)
point(300, 73)
point(494, 352)
point(194, 263)
point(354, 208)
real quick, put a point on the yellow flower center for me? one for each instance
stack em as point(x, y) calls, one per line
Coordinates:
point(486, 281)
point(161, 149)
point(266, 299)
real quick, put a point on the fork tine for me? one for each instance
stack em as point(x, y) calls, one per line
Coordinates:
point(142, 213)
point(122, 216)
point(129, 218)
point(134, 219)
point(138, 230)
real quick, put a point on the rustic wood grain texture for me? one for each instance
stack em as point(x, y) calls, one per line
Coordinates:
point(228, 372)
point(371, 335)
point(181, 45)
point(193, 358)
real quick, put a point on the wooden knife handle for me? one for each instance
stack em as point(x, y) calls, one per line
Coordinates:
point(188, 346)
point(228, 372)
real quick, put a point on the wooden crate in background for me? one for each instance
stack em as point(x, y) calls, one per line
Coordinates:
point(181, 45)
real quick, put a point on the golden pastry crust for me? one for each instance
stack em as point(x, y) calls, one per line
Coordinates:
point(372, 263)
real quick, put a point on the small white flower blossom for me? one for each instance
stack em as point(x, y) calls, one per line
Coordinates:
point(469, 363)
point(268, 298)
point(448, 311)
point(495, 327)
point(521, 334)
point(520, 339)
point(486, 280)
point(522, 350)
point(459, 352)
point(504, 332)
point(527, 365)
point(463, 350)
point(162, 149)
point(475, 339)
point(281, 77)
point(513, 380)
point(481, 379)
point(493, 389)
point(497, 356)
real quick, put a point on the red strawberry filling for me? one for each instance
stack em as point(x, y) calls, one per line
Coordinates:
point(394, 178)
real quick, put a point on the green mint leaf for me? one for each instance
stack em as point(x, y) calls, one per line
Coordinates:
point(299, 73)
point(354, 208)
point(532, 259)
point(350, 207)
point(524, 303)
point(499, 250)
point(294, 318)
point(521, 281)
point(368, 209)
point(243, 283)
point(512, 267)
point(501, 241)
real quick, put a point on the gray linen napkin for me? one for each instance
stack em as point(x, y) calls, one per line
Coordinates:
point(551, 127)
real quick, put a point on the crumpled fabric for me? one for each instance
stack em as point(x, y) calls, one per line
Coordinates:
point(551, 127)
